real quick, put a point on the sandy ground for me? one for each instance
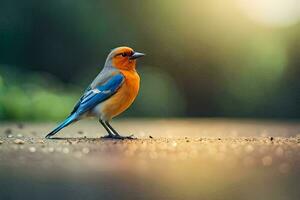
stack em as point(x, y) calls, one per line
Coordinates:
point(171, 159)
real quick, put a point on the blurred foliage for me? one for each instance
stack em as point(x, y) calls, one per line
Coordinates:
point(29, 97)
point(226, 58)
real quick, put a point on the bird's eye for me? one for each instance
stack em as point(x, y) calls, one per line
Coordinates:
point(124, 54)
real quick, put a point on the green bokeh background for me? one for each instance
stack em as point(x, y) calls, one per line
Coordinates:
point(204, 58)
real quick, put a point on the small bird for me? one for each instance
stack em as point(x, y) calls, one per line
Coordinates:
point(110, 93)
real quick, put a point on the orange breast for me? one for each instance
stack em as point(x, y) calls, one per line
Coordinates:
point(124, 97)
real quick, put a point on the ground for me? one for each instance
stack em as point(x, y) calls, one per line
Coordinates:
point(171, 159)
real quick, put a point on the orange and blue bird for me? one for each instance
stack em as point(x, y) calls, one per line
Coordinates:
point(110, 93)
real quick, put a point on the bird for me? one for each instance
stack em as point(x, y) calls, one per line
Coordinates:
point(112, 91)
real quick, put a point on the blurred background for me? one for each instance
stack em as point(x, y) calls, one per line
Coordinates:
point(217, 58)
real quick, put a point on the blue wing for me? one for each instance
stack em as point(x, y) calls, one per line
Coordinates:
point(78, 103)
point(90, 99)
point(99, 94)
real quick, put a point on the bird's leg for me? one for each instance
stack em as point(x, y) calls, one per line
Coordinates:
point(116, 134)
point(110, 133)
point(111, 128)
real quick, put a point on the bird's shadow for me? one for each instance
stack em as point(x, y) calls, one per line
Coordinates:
point(90, 139)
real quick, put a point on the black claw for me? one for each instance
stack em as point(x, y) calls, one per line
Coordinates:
point(48, 136)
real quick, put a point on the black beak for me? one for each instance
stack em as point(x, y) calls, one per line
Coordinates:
point(136, 55)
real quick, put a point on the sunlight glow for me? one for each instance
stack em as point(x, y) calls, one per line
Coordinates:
point(272, 12)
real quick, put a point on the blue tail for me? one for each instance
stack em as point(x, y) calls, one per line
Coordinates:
point(65, 123)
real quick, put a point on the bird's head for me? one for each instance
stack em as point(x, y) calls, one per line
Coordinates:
point(124, 58)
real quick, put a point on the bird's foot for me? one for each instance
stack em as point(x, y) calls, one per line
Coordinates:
point(107, 137)
point(48, 136)
point(119, 137)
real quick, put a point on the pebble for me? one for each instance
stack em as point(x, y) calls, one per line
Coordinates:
point(1, 142)
point(65, 150)
point(150, 136)
point(32, 149)
point(85, 150)
point(51, 149)
point(249, 148)
point(174, 144)
point(69, 142)
point(18, 141)
point(41, 142)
